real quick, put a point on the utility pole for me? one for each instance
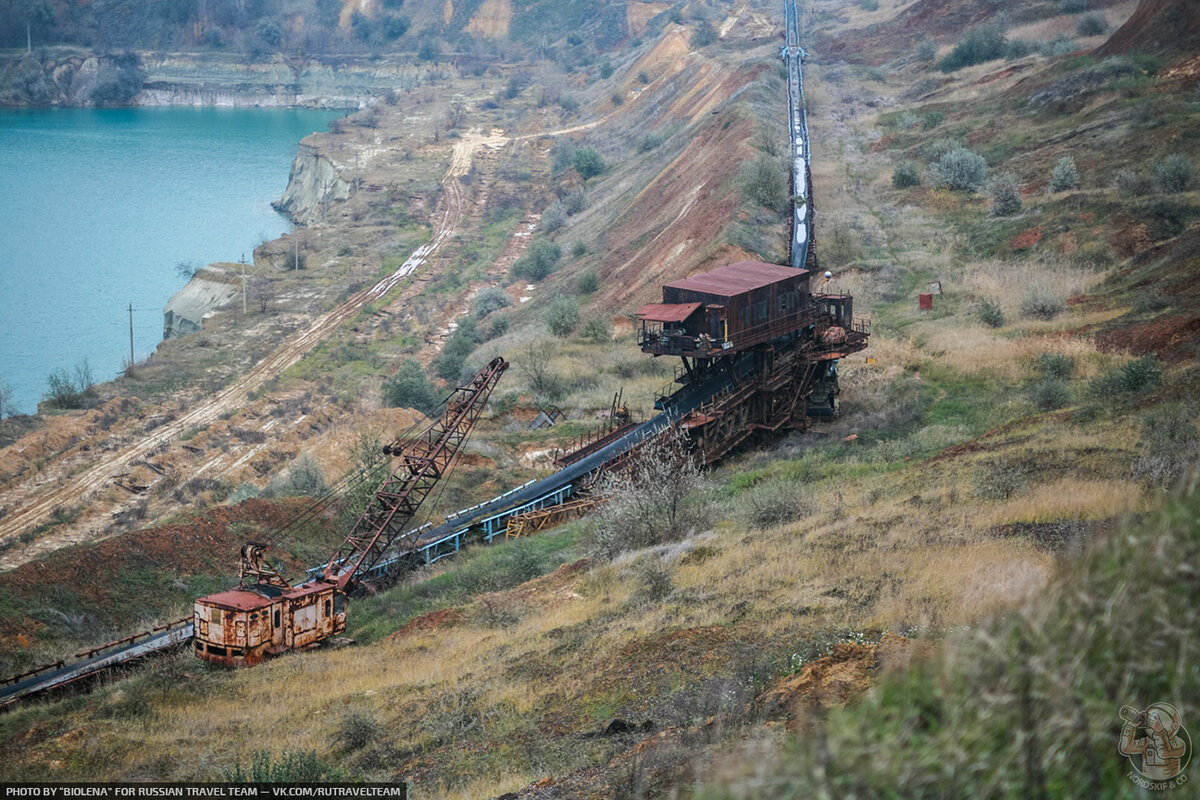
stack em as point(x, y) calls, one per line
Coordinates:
point(243, 262)
point(28, 40)
point(131, 335)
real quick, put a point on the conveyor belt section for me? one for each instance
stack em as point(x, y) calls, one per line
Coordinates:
point(57, 675)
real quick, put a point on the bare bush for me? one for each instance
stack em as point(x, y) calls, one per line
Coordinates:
point(659, 498)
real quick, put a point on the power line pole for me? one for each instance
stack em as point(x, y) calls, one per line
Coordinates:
point(243, 285)
point(131, 335)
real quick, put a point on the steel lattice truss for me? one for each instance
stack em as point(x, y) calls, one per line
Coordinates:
point(422, 463)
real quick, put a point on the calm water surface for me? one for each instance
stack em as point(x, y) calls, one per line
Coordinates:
point(97, 206)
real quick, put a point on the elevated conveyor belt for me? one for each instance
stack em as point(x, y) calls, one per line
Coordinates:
point(63, 674)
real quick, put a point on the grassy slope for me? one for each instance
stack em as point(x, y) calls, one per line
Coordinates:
point(898, 530)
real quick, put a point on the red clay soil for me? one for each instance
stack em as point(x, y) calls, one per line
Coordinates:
point(432, 621)
point(104, 573)
point(1161, 27)
point(669, 228)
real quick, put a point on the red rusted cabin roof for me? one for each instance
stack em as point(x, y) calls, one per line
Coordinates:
point(237, 599)
point(667, 312)
point(248, 600)
point(734, 279)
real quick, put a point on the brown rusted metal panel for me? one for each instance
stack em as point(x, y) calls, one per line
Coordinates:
point(242, 627)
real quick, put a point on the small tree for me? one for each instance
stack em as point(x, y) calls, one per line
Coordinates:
point(562, 316)
point(186, 269)
point(1092, 25)
point(262, 290)
point(989, 312)
point(539, 260)
point(6, 401)
point(1064, 176)
point(588, 282)
point(1006, 194)
point(588, 162)
point(489, 299)
point(534, 366)
point(657, 499)
point(961, 170)
point(410, 388)
point(927, 50)
point(1175, 173)
point(907, 174)
point(702, 36)
point(765, 182)
point(303, 478)
point(597, 330)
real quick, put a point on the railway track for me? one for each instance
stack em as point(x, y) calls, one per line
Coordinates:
point(487, 520)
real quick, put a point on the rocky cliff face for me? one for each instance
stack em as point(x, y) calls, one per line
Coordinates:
point(210, 288)
point(80, 79)
point(314, 179)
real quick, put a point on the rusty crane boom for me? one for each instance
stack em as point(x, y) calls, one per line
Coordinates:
point(266, 615)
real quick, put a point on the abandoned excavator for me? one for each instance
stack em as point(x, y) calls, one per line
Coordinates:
point(266, 615)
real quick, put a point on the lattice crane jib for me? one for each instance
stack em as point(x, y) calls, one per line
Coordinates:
point(422, 463)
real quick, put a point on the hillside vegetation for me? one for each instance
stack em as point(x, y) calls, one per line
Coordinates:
point(952, 589)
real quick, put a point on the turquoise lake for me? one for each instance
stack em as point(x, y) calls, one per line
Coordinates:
point(98, 206)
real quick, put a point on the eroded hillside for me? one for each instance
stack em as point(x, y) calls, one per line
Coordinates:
point(950, 536)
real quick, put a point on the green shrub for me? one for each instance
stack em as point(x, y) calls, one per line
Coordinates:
point(932, 120)
point(989, 312)
point(287, 767)
point(927, 50)
point(498, 327)
point(1042, 302)
point(449, 363)
point(1091, 25)
point(1133, 378)
point(304, 478)
point(649, 141)
point(1133, 183)
point(539, 260)
point(1141, 375)
point(597, 330)
point(575, 201)
point(579, 250)
point(765, 181)
point(606, 69)
point(1074, 6)
point(961, 170)
point(1017, 48)
point(1175, 173)
point(976, 46)
point(588, 162)
point(773, 502)
point(1064, 175)
point(587, 283)
point(869, 5)
point(489, 299)
point(1055, 365)
point(1060, 45)
point(704, 34)
point(1006, 194)
point(410, 388)
point(1051, 393)
point(554, 217)
point(907, 174)
point(562, 315)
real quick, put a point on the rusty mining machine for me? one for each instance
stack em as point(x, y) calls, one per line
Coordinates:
point(266, 615)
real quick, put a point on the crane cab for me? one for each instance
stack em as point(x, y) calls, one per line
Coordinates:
point(243, 626)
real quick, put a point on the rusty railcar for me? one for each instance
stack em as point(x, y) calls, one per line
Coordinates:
point(243, 626)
